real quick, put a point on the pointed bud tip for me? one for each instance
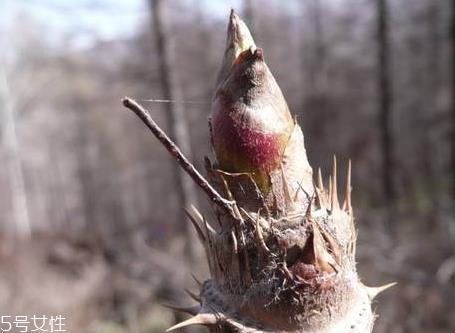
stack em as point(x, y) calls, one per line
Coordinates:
point(205, 319)
point(235, 21)
point(238, 40)
point(232, 16)
point(238, 33)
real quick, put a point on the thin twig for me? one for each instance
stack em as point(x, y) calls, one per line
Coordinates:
point(189, 168)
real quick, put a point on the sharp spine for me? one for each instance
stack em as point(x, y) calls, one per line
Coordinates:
point(349, 189)
point(334, 196)
point(200, 217)
point(235, 255)
point(375, 291)
point(196, 226)
point(205, 319)
point(320, 183)
point(309, 208)
point(329, 193)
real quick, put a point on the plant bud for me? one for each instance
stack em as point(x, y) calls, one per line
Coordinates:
point(251, 122)
point(253, 131)
point(238, 39)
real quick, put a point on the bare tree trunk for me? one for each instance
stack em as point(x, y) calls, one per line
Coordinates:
point(319, 58)
point(430, 108)
point(15, 167)
point(452, 35)
point(314, 61)
point(385, 110)
point(313, 48)
point(313, 53)
point(175, 117)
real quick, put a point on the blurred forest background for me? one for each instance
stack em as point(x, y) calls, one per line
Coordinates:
point(91, 220)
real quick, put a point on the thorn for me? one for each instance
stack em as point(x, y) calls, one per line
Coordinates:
point(299, 188)
point(196, 226)
point(193, 295)
point(235, 248)
point(329, 194)
point(347, 196)
point(205, 319)
point(192, 310)
point(330, 186)
point(308, 210)
point(286, 271)
point(259, 194)
point(231, 197)
point(318, 197)
point(196, 212)
point(201, 218)
point(334, 196)
point(320, 183)
point(245, 212)
point(349, 189)
point(209, 232)
point(353, 241)
point(205, 238)
point(375, 291)
point(226, 186)
point(235, 255)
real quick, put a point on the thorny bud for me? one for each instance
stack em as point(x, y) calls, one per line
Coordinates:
point(284, 260)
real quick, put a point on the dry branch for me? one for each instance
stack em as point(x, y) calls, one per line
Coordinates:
point(172, 148)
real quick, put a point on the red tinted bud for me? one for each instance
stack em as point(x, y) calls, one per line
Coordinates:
point(251, 122)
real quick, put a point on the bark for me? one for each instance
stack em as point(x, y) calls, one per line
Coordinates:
point(175, 114)
point(430, 106)
point(314, 50)
point(452, 65)
point(319, 58)
point(385, 109)
point(314, 62)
